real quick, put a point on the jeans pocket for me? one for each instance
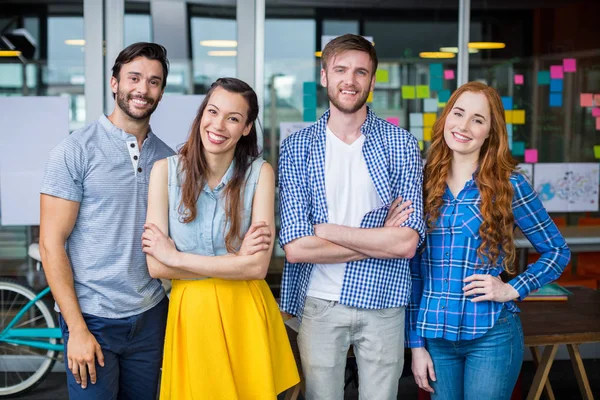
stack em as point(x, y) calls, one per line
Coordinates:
point(315, 308)
point(389, 312)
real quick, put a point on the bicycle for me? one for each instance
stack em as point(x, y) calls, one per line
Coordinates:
point(30, 340)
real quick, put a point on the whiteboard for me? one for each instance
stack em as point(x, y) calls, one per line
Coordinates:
point(29, 128)
point(173, 118)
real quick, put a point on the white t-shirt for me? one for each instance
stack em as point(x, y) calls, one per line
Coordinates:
point(350, 194)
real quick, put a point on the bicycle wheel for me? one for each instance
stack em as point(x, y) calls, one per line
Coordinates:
point(23, 367)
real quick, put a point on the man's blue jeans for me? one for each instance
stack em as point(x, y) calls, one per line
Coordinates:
point(484, 368)
point(132, 349)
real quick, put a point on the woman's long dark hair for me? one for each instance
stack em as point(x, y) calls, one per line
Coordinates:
point(194, 167)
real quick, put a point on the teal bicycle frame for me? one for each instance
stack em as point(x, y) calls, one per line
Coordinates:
point(28, 336)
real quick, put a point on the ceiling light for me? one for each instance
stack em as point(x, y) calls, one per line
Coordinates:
point(222, 53)
point(10, 53)
point(486, 45)
point(75, 42)
point(218, 43)
point(455, 50)
point(437, 54)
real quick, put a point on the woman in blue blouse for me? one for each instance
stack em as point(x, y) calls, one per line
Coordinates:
point(463, 324)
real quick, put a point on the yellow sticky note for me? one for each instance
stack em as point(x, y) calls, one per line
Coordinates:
point(427, 134)
point(382, 76)
point(508, 115)
point(422, 92)
point(429, 119)
point(518, 117)
point(408, 92)
point(441, 105)
point(421, 147)
point(596, 151)
point(370, 98)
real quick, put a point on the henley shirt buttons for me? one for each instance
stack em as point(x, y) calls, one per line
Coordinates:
point(132, 144)
point(139, 170)
point(135, 157)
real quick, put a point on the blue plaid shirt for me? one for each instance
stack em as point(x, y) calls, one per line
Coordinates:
point(394, 162)
point(438, 307)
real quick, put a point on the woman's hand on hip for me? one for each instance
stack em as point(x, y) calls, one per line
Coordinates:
point(489, 288)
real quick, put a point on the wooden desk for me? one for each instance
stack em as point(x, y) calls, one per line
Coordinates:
point(549, 324)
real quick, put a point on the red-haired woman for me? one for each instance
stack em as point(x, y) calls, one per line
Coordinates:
point(463, 324)
point(225, 338)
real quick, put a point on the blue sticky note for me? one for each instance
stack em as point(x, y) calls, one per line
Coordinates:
point(556, 85)
point(518, 148)
point(309, 115)
point(309, 101)
point(436, 70)
point(309, 88)
point(543, 78)
point(507, 102)
point(509, 131)
point(443, 96)
point(436, 83)
point(556, 99)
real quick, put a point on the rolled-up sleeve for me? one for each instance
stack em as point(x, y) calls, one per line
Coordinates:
point(293, 196)
point(412, 187)
point(537, 226)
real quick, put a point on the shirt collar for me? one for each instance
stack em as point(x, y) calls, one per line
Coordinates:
point(117, 132)
point(224, 180)
point(366, 128)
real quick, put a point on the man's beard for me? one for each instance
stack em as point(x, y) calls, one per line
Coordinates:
point(331, 94)
point(123, 103)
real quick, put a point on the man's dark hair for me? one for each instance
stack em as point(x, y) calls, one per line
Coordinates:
point(151, 51)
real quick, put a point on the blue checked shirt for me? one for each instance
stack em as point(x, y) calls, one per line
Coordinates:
point(394, 163)
point(438, 307)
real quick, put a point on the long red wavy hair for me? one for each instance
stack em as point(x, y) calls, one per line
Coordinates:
point(492, 178)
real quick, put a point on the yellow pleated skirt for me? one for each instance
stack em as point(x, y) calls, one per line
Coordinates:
point(225, 340)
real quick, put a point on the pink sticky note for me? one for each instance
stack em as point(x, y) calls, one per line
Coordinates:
point(531, 155)
point(598, 123)
point(586, 99)
point(596, 112)
point(556, 72)
point(448, 74)
point(569, 65)
point(597, 99)
point(393, 120)
point(519, 79)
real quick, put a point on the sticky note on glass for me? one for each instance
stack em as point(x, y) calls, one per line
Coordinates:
point(427, 133)
point(518, 148)
point(556, 85)
point(408, 92)
point(382, 76)
point(556, 72)
point(443, 96)
point(508, 116)
point(519, 79)
point(448, 74)
point(417, 132)
point(442, 105)
point(421, 147)
point(556, 99)
point(370, 97)
point(429, 119)
point(509, 131)
point(569, 65)
point(309, 115)
point(507, 103)
point(415, 119)
point(436, 83)
point(596, 112)
point(309, 101)
point(586, 99)
point(597, 152)
point(309, 88)
point(436, 70)
point(422, 92)
point(543, 78)
point(393, 120)
point(531, 156)
point(518, 117)
point(598, 123)
point(430, 105)
point(597, 99)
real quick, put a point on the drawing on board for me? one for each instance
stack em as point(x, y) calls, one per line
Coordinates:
point(568, 187)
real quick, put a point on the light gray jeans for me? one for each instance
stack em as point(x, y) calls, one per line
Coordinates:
point(326, 333)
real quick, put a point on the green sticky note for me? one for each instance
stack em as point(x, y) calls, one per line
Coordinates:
point(597, 152)
point(309, 115)
point(443, 96)
point(408, 92)
point(518, 148)
point(382, 76)
point(309, 88)
point(422, 92)
point(436, 83)
point(436, 70)
point(309, 101)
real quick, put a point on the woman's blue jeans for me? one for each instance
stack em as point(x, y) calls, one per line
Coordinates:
point(484, 368)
